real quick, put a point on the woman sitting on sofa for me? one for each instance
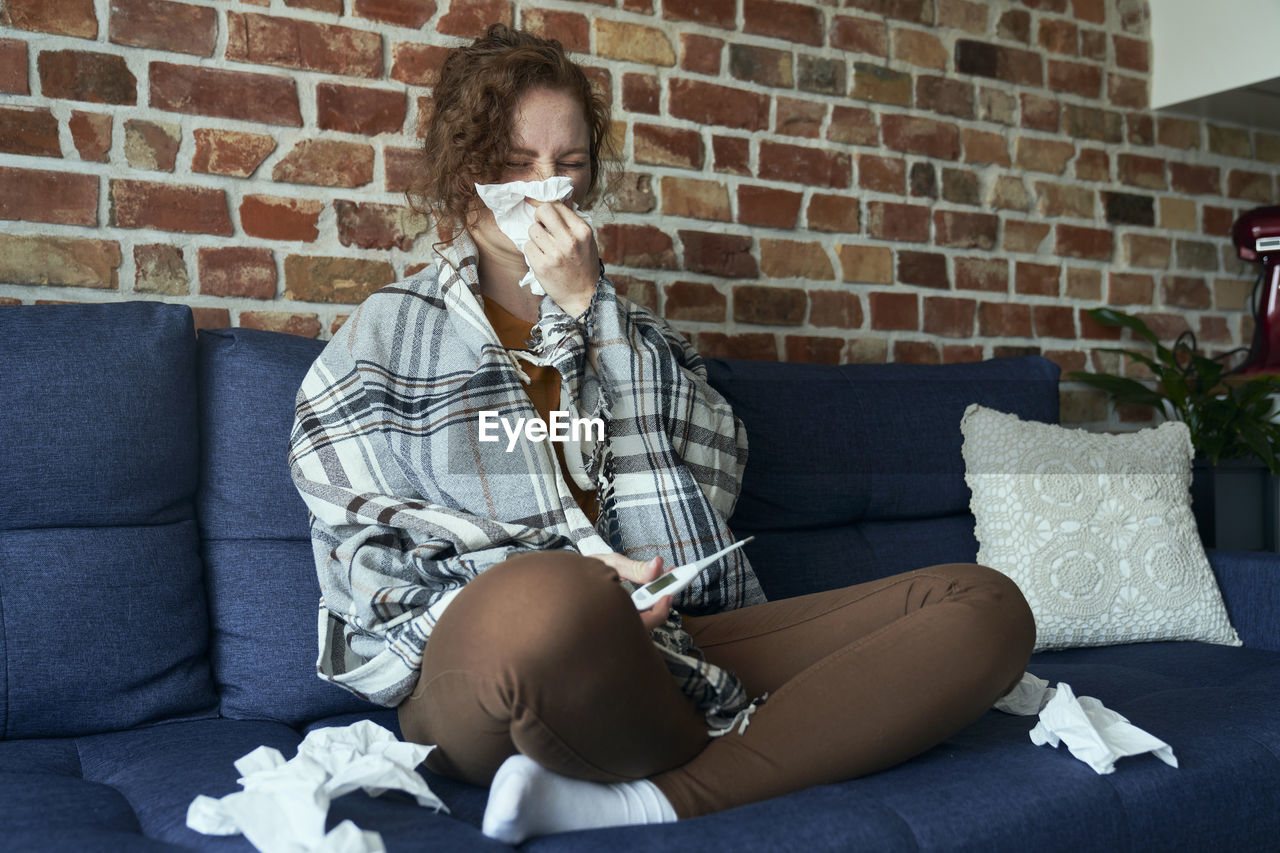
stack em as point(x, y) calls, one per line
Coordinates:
point(479, 588)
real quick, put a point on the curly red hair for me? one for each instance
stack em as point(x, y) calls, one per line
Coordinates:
point(468, 138)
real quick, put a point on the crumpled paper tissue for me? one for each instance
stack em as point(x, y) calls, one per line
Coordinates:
point(283, 806)
point(514, 215)
point(1092, 732)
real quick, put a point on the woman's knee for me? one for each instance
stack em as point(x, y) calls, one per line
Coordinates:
point(1002, 609)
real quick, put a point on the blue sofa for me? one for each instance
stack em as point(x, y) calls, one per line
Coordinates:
point(158, 609)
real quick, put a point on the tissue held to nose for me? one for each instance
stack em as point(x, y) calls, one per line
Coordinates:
point(514, 214)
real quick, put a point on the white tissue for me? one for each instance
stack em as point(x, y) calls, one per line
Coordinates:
point(1092, 732)
point(283, 804)
point(514, 215)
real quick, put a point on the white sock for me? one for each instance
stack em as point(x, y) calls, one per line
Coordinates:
point(526, 800)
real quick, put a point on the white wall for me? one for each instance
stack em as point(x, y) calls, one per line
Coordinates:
point(1201, 47)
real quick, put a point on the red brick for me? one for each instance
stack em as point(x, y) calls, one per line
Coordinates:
point(401, 166)
point(769, 305)
point(1217, 221)
point(700, 54)
point(893, 221)
point(356, 109)
point(1004, 320)
point(1131, 53)
point(866, 264)
point(238, 271)
point(275, 218)
point(965, 230)
point(91, 134)
point(983, 147)
point(417, 64)
point(29, 130)
point(1084, 122)
point(759, 346)
point(470, 18)
point(949, 317)
point(1093, 164)
point(1015, 25)
point(1053, 321)
point(378, 226)
point(839, 309)
point(1010, 64)
point(963, 15)
point(333, 7)
point(163, 25)
point(694, 301)
point(77, 75)
point(708, 103)
point(1130, 289)
point(892, 311)
point(151, 145)
point(872, 82)
point(1025, 237)
point(924, 50)
point(956, 353)
point(631, 192)
point(795, 259)
point(211, 318)
point(406, 13)
point(1195, 180)
point(304, 325)
point(795, 117)
point(882, 174)
point(160, 268)
point(13, 67)
point(1036, 279)
point(853, 125)
point(716, 13)
point(1093, 330)
point(1178, 132)
point(791, 22)
point(813, 350)
point(821, 75)
point(918, 135)
point(343, 280)
point(59, 261)
point(945, 96)
point(1127, 91)
point(986, 274)
point(833, 213)
point(1074, 241)
point(1180, 291)
point(1040, 112)
point(1139, 171)
point(1068, 200)
point(695, 198)
point(1043, 155)
point(1077, 78)
point(62, 198)
point(1058, 36)
point(230, 152)
point(169, 207)
point(926, 269)
point(1147, 251)
point(225, 94)
point(305, 45)
point(731, 154)
point(763, 65)
point(768, 207)
point(725, 255)
point(63, 17)
point(640, 291)
point(641, 93)
point(1252, 186)
point(916, 352)
point(326, 163)
point(861, 36)
point(1229, 141)
point(1167, 327)
point(665, 146)
point(813, 166)
point(636, 246)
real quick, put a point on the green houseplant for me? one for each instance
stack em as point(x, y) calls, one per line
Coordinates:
point(1236, 440)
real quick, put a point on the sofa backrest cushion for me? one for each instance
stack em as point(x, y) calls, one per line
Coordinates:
point(263, 593)
point(854, 472)
point(103, 622)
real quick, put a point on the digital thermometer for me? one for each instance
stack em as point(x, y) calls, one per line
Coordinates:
point(678, 578)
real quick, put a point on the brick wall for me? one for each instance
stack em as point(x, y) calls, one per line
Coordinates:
point(875, 180)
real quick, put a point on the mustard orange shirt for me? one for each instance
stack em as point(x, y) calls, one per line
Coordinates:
point(543, 388)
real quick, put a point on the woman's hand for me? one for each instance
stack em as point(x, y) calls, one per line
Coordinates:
point(640, 573)
point(563, 256)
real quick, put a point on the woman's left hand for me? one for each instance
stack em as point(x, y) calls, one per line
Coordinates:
point(641, 573)
point(563, 255)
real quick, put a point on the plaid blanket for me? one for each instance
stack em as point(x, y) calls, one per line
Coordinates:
point(407, 505)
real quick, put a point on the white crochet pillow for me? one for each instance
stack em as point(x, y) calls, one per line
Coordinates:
point(1095, 529)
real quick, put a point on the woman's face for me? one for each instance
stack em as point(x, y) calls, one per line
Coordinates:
point(549, 137)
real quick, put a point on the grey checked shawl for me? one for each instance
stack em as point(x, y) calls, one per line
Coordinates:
point(407, 505)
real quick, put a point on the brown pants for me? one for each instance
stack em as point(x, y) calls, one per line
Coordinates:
point(544, 655)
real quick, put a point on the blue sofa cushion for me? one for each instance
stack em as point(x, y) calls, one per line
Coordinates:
point(263, 593)
point(102, 614)
point(872, 483)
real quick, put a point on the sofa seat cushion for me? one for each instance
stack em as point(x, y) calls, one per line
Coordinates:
point(103, 622)
point(263, 593)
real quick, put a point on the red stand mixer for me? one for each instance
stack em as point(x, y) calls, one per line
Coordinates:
point(1257, 238)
